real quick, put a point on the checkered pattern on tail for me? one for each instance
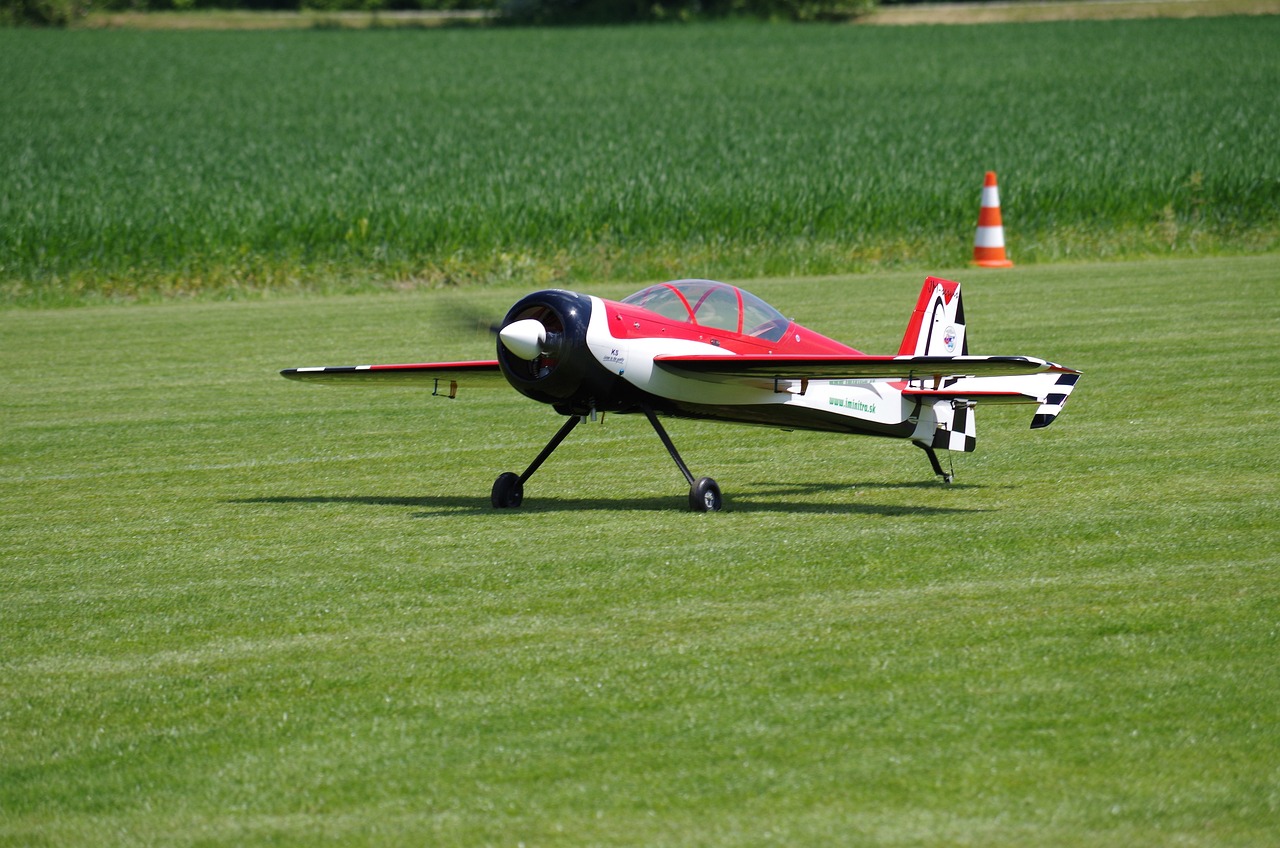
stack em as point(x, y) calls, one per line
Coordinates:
point(1054, 401)
point(947, 425)
point(957, 430)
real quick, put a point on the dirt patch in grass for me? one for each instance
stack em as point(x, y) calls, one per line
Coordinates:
point(1067, 10)
point(902, 15)
point(307, 19)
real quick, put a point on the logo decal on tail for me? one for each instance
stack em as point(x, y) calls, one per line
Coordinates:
point(936, 327)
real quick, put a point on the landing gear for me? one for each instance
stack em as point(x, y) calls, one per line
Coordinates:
point(704, 496)
point(508, 489)
point(933, 460)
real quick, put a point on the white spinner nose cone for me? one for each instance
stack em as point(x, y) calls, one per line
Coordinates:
point(526, 339)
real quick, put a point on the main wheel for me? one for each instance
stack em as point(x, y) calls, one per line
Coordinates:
point(508, 491)
point(704, 496)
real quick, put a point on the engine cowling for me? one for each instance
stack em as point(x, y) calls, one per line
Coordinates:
point(543, 353)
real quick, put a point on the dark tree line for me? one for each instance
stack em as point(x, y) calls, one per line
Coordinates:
point(63, 12)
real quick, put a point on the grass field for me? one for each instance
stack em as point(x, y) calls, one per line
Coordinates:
point(175, 162)
point(237, 610)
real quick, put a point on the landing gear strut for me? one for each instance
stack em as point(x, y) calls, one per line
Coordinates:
point(704, 493)
point(508, 489)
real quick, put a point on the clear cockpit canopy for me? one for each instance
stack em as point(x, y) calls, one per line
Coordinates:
point(708, 303)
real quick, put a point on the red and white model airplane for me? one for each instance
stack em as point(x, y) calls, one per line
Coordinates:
point(703, 349)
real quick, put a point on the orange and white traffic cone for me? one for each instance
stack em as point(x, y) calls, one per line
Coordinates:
point(988, 245)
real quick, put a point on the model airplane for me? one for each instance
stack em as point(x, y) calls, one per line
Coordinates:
point(702, 349)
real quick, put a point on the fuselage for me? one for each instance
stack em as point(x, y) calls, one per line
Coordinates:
point(600, 357)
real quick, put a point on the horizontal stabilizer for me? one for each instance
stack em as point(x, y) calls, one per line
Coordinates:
point(1049, 391)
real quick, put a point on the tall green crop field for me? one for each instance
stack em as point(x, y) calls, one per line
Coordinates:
point(145, 162)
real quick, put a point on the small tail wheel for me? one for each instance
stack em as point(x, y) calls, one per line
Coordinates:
point(704, 496)
point(508, 491)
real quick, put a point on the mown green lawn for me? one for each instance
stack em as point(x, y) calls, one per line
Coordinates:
point(237, 610)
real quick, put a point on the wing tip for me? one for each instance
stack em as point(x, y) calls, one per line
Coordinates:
point(304, 373)
point(1054, 401)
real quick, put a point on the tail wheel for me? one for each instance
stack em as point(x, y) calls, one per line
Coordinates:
point(704, 496)
point(508, 491)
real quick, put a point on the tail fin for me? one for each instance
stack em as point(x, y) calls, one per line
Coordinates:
point(946, 425)
point(937, 326)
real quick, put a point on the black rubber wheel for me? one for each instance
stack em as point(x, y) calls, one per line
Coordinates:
point(704, 496)
point(508, 491)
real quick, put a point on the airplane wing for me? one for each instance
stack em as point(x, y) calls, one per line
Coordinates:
point(443, 378)
point(853, 367)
